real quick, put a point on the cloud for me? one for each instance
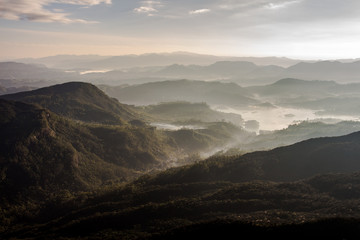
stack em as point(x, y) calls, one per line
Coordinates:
point(245, 6)
point(85, 2)
point(149, 7)
point(144, 9)
point(200, 11)
point(38, 10)
point(269, 11)
point(280, 5)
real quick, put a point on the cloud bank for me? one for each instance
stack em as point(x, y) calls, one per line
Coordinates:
point(148, 7)
point(38, 10)
point(200, 11)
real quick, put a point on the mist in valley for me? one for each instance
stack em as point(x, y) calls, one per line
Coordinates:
point(216, 96)
point(158, 141)
point(152, 120)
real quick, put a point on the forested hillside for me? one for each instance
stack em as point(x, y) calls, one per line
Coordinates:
point(77, 100)
point(68, 177)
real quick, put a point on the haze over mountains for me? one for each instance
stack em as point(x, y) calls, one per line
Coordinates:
point(229, 93)
point(147, 60)
point(165, 119)
point(162, 146)
point(131, 69)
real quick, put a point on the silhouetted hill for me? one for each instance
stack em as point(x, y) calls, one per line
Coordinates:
point(183, 90)
point(80, 101)
point(290, 163)
point(39, 149)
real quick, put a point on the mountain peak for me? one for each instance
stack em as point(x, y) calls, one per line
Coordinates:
point(295, 81)
point(69, 88)
point(77, 100)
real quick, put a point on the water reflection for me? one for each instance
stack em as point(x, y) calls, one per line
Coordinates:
point(279, 118)
point(173, 127)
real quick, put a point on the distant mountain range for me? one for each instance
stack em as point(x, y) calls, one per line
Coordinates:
point(245, 73)
point(32, 72)
point(146, 60)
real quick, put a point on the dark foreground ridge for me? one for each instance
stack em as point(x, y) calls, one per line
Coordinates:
point(66, 179)
point(333, 228)
point(78, 100)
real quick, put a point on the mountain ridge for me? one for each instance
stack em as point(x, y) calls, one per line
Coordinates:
point(289, 163)
point(183, 90)
point(41, 149)
point(78, 100)
point(173, 203)
point(133, 60)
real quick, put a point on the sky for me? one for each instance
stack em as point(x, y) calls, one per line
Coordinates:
point(302, 29)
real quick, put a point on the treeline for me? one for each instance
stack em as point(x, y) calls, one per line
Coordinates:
point(141, 210)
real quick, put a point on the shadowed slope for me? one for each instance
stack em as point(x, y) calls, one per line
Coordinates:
point(80, 101)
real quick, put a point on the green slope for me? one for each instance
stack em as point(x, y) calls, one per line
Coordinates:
point(301, 160)
point(41, 149)
point(47, 161)
point(218, 194)
point(170, 211)
point(77, 100)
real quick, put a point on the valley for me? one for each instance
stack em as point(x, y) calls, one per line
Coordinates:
point(157, 152)
point(164, 119)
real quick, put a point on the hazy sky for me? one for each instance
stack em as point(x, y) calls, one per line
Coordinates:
point(308, 29)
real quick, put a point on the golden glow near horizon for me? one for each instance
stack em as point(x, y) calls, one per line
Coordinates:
point(304, 29)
